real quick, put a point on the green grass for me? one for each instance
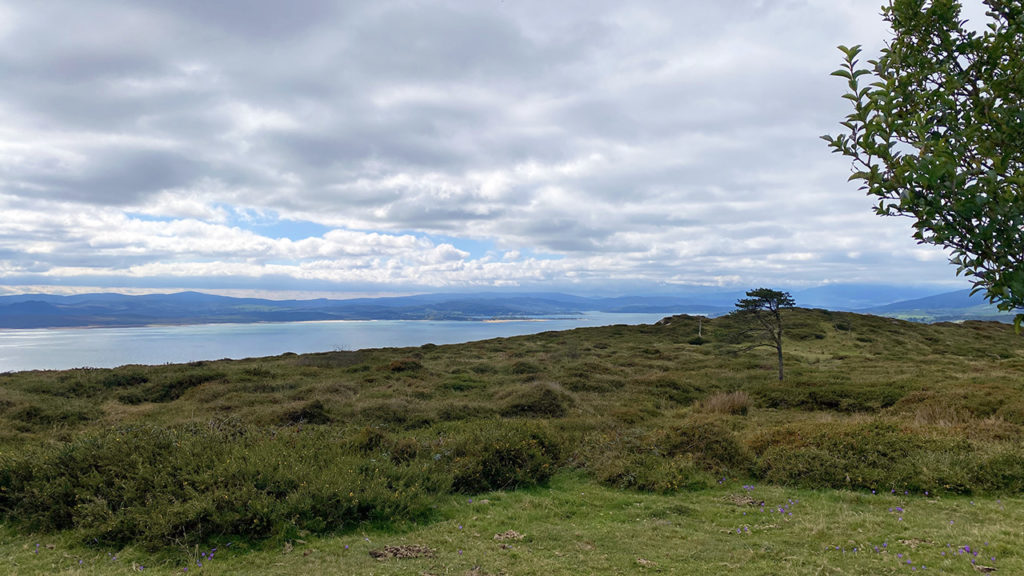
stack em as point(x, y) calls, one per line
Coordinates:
point(606, 445)
point(574, 526)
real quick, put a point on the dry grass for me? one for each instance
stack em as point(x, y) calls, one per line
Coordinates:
point(737, 403)
point(932, 414)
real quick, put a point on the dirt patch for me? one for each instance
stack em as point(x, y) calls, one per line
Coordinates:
point(510, 535)
point(405, 551)
point(742, 500)
point(476, 571)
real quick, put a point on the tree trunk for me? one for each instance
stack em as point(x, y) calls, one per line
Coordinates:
point(778, 339)
point(779, 350)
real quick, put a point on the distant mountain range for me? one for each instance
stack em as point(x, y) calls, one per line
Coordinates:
point(49, 311)
point(947, 307)
point(109, 309)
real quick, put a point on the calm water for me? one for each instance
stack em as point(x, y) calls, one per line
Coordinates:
point(58, 349)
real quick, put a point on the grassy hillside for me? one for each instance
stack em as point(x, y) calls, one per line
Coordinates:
point(332, 447)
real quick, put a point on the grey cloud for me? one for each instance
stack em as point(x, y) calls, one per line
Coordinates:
point(123, 177)
point(690, 125)
point(260, 20)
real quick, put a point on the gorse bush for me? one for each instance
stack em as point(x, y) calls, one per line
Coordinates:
point(313, 412)
point(502, 455)
point(159, 486)
point(837, 396)
point(655, 473)
point(187, 485)
point(710, 444)
point(167, 390)
point(535, 399)
point(879, 455)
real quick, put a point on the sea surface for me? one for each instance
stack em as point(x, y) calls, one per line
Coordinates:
point(63, 348)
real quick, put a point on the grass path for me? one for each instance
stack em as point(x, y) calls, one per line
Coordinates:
point(575, 527)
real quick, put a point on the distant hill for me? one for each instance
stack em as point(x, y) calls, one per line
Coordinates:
point(850, 297)
point(947, 307)
point(50, 311)
point(109, 309)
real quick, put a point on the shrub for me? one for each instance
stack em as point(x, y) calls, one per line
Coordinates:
point(505, 455)
point(710, 444)
point(64, 413)
point(879, 455)
point(999, 470)
point(172, 389)
point(524, 368)
point(538, 400)
point(838, 395)
point(405, 365)
point(79, 383)
point(336, 359)
point(449, 411)
point(124, 378)
point(654, 473)
point(680, 392)
point(159, 487)
point(370, 439)
point(635, 458)
point(462, 383)
point(397, 411)
point(313, 412)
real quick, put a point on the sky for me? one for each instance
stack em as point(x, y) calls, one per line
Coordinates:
point(399, 146)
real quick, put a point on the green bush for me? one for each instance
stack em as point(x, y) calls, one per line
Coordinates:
point(395, 411)
point(158, 486)
point(78, 383)
point(313, 412)
point(124, 378)
point(502, 456)
point(710, 444)
point(678, 391)
point(524, 368)
point(654, 473)
point(879, 455)
point(636, 459)
point(463, 382)
point(170, 389)
point(537, 400)
point(839, 395)
point(453, 410)
point(62, 413)
point(405, 365)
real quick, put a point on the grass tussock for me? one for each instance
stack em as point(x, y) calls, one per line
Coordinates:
point(738, 403)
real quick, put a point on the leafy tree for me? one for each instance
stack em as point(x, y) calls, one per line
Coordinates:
point(937, 134)
point(764, 306)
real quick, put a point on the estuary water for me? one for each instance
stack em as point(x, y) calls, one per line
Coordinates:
point(63, 348)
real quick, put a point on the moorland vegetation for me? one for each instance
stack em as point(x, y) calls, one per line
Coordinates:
point(281, 448)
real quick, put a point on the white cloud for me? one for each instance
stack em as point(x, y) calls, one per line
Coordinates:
point(571, 143)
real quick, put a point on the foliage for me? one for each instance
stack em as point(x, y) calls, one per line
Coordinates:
point(184, 485)
point(541, 400)
point(575, 526)
point(765, 306)
point(272, 447)
point(880, 455)
point(503, 456)
point(936, 133)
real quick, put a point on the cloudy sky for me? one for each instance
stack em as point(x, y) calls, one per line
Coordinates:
point(351, 147)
